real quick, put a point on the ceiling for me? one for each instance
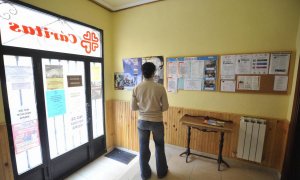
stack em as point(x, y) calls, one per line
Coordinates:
point(117, 5)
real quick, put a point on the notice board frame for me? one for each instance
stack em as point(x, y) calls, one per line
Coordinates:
point(266, 80)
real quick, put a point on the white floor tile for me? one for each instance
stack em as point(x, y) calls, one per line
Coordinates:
point(199, 168)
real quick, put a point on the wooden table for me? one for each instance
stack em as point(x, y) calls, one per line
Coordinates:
point(198, 122)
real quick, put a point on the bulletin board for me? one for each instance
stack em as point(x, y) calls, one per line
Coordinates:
point(132, 72)
point(255, 72)
point(197, 73)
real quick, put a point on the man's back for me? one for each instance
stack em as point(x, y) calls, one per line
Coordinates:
point(150, 99)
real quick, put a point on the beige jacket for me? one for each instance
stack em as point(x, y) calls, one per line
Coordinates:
point(150, 99)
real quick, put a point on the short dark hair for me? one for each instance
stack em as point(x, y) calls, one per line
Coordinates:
point(148, 69)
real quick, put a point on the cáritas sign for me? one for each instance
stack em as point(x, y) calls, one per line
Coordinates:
point(46, 32)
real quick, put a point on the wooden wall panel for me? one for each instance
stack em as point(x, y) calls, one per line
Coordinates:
point(6, 172)
point(125, 125)
point(125, 133)
point(280, 144)
point(109, 125)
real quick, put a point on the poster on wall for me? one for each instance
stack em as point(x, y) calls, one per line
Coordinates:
point(279, 63)
point(119, 81)
point(280, 83)
point(228, 85)
point(243, 64)
point(158, 61)
point(210, 71)
point(260, 63)
point(172, 68)
point(193, 73)
point(228, 67)
point(248, 82)
point(132, 72)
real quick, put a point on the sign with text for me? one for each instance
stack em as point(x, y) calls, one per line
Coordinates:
point(28, 28)
point(74, 81)
point(56, 103)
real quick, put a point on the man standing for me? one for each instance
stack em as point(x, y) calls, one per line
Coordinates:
point(150, 99)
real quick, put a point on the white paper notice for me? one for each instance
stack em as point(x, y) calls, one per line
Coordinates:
point(279, 63)
point(243, 64)
point(228, 67)
point(280, 83)
point(260, 63)
point(197, 69)
point(227, 86)
point(172, 84)
point(172, 69)
point(193, 84)
point(248, 82)
point(184, 69)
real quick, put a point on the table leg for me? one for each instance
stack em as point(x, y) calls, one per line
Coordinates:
point(220, 157)
point(188, 150)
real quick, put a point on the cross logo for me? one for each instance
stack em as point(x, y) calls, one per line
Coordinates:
point(90, 42)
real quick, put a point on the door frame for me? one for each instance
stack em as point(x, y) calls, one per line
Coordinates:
point(291, 165)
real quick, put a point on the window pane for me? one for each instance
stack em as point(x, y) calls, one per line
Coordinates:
point(28, 28)
point(23, 113)
point(65, 97)
point(97, 97)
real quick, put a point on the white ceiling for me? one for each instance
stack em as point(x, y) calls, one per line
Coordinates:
point(117, 5)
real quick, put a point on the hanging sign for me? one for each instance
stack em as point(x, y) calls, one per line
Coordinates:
point(28, 28)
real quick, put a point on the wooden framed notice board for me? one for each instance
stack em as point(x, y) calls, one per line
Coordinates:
point(198, 73)
point(266, 72)
point(255, 73)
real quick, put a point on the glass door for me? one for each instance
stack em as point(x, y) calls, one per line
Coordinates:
point(65, 101)
point(24, 120)
point(97, 138)
point(97, 99)
point(56, 115)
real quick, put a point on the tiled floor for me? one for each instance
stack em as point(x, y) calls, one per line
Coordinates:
point(199, 169)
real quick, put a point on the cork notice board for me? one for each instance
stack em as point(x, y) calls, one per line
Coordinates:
point(255, 73)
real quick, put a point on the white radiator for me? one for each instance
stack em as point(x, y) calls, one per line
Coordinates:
point(251, 139)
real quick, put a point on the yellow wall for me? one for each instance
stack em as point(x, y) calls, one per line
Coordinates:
point(193, 27)
point(207, 27)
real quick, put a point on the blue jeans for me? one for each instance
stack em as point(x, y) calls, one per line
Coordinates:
point(144, 129)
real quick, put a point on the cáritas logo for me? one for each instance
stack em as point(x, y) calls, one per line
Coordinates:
point(90, 40)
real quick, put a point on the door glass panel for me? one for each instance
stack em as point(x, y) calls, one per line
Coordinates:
point(97, 99)
point(23, 112)
point(65, 100)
